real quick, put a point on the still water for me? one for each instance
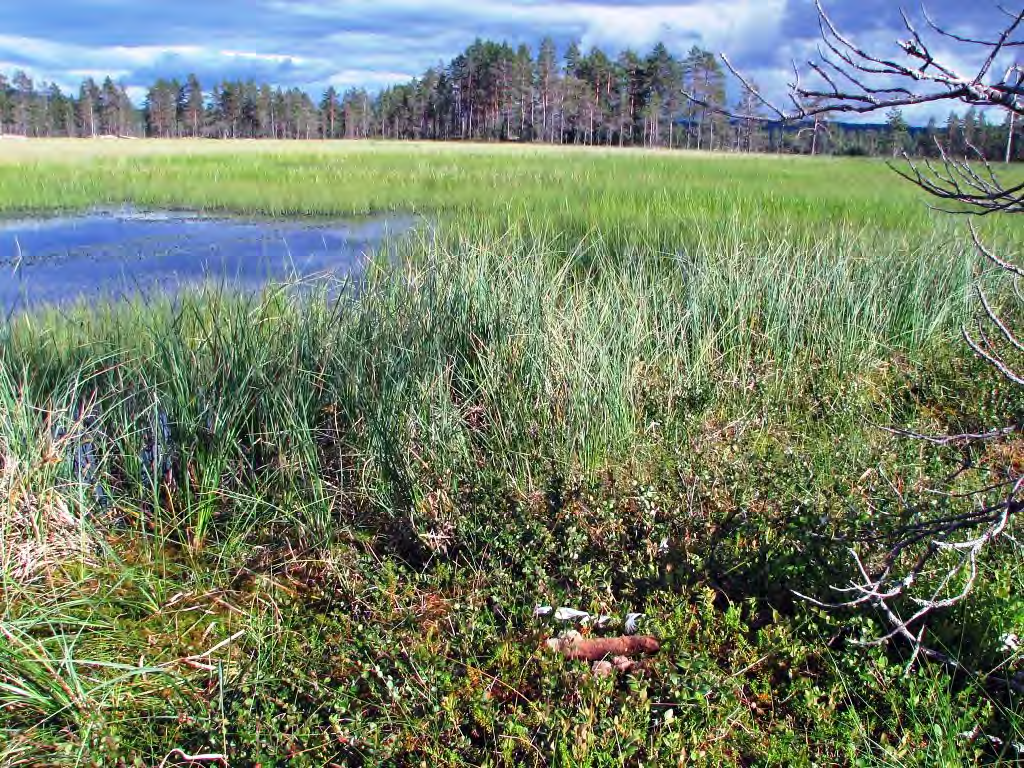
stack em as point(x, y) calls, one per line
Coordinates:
point(125, 252)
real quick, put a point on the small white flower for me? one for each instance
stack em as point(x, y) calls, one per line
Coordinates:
point(976, 733)
point(1011, 643)
point(632, 620)
point(972, 734)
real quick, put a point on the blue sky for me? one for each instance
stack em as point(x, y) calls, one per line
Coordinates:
point(316, 43)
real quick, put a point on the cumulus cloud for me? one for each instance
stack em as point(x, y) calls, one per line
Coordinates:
point(716, 23)
point(315, 43)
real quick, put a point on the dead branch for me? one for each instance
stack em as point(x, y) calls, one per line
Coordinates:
point(932, 563)
point(848, 78)
point(961, 439)
point(959, 182)
point(889, 585)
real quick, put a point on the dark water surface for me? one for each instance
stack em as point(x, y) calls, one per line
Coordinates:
point(112, 254)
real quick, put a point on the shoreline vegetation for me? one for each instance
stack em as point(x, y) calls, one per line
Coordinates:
point(294, 529)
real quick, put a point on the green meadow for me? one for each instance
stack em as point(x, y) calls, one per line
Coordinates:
point(311, 528)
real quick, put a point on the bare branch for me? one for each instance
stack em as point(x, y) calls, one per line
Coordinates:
point(970, 40)
point(1001, 263)
point(943, 440)
point(958, 181)
point(947, 549)
point(924, 78)
point(984, 350)
point(933, 562)
point(1000, 44)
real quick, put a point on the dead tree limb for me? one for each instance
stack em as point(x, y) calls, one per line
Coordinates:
point(848, 78)
point(932, 563)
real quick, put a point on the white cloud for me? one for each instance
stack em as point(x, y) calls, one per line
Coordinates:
point(381, 42)
point(48, 52)
point(44, 59)
point(275, 58)
point(367, 78)
point(718, 24)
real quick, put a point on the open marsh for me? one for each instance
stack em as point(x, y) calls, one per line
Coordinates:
point(624, 382)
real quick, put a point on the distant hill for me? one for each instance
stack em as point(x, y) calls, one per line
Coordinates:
point(772, 125)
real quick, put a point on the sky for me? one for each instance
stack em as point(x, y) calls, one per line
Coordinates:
point(312, 44)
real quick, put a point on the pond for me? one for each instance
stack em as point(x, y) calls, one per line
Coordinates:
point(126, 252)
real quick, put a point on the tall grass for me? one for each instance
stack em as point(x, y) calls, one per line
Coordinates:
point(575, 358)
point(583, 347)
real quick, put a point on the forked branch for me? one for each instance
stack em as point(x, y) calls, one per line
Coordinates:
point(932, 563)
point(848, 78)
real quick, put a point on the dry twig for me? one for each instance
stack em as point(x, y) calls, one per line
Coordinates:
point(931, 564)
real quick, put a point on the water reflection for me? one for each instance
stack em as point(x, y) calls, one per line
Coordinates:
point(110, 254)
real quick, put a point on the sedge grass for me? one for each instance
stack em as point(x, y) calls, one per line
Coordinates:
point(578, 357)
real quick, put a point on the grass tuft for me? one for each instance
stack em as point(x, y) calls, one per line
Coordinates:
point(312, 524)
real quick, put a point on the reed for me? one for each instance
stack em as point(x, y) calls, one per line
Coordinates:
point(315, 522)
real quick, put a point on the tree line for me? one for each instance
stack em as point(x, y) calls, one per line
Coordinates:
point(489, 92)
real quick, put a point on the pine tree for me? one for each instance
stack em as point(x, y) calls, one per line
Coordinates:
point(899, 131)
point(24, 93)
point(954, 134)
point(160, 109)
point(571, 95)
point(110, 108)
point(6, 104)
point(60, 118)
point(88, 108)
point(663, 83)
point(749, 132)
point(193, 106)
point(629, 104)
point(330, 108)
point(547, 85)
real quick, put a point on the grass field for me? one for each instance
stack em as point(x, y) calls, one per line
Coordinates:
point(312, 532)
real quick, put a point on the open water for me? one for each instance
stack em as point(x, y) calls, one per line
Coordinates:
point(117, 253)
